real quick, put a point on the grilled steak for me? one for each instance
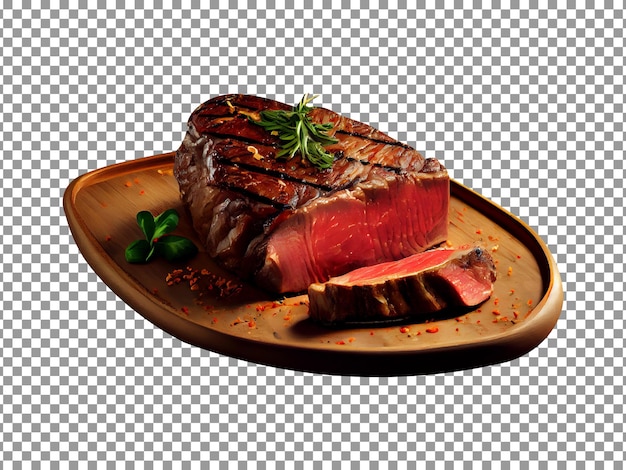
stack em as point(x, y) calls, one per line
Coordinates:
point(285, 224)
point(416, 286)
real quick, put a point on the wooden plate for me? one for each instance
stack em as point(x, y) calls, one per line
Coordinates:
point(244, 322)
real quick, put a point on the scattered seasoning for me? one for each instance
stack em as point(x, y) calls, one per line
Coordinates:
point(479, 231)
point(108, 238)
point(501, 319)
point(512, 291)
point(185, 310)
point(518, 257)
point(128, 184)
point(142, 192)
point(496, 312)
point(404, 329)
point(251, 324)
point(530, 302)
point(496, 301)
point(492, 238)
point(214, 320)
point(432, 329)
point(351, 339)
point(516, 314)
point(136, 180)
point(371, 332)
point(340, 342)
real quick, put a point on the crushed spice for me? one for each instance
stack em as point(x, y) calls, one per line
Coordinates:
point(197, 278)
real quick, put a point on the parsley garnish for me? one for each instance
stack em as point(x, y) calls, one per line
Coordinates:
point(299, 134)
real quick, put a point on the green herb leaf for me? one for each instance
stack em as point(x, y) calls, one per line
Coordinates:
point(146, 222)
point(299, 133)
point(158, 240)
point(175, 247)
point(138, 251)
point(165, 223)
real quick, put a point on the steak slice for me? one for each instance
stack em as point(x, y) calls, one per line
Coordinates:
point(285, 224)
point(418, 285)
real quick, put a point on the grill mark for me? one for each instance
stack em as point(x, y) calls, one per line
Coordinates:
point(257, 197)
point(394, 143)
point(281, 175)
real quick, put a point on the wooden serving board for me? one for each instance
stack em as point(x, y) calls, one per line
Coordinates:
point(239, 320)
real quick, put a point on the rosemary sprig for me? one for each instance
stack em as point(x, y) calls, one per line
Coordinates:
point(299, 134)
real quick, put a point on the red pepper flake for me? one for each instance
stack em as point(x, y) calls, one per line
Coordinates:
point(516, 314)
point(128, 184)
point(108, 238)
point(351, 339)
point(518, 257)
point(458, 319)
point(185, 310)
point(372, 333)
point(477, 322)
point(512, 291)
point(142, 192)
point(496, 311)
point(457, 329)
point(530, 302)
point(155, 291)
point(479, 231)
point(492, 238)
point(418, 333)
point(432, 329)
point(251, 324)
point(214, 320)
point(260, 308)
point(404, 329)
point(136, 180)
point(340, 342)
point(496, 301)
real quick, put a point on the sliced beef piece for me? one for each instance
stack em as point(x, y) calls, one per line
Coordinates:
point(416, 286)
point(285, 224)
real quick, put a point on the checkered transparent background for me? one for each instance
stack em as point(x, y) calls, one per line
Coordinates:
point(523, 101)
